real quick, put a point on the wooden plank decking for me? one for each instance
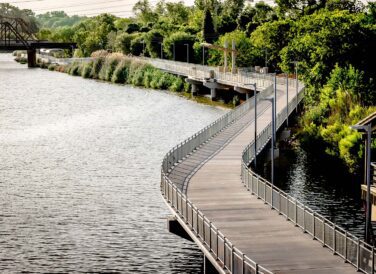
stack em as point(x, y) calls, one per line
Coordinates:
point(211, 177)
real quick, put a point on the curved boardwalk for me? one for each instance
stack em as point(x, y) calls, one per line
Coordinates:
point(211, 177)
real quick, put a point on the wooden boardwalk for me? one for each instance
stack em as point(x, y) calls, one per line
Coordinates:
point(211, 178)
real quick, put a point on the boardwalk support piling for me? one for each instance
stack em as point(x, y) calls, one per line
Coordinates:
point(174, 227)
point(31, 58)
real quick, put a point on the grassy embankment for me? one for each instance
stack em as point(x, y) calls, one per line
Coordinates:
point(119, 69)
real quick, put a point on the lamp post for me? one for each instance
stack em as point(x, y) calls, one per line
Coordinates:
point(173, 48)
point(287, 99)
point(203, 55)
point(367, 129)
point(143, 47)
point(255, 113)
point(187, 45)
point(272, 99)
point(296, 81)
point(161, 49)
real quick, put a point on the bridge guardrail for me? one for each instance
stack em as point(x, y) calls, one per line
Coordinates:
point(342, 243)
point(215, 242)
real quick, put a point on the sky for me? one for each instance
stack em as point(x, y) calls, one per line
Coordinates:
point(122, 8)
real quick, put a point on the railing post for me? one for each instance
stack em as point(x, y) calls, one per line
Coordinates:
point(210, 238)
point(304, 224)
point(287, 208)
point(256, 268)
point(265, 202)
point(345, 246)
point(296, 212)
point(373, 260)
point(243, 263)
point(279, 202)
point(232, 258)
point(334, 240)
point(358, 256)
point(314, 226)
point(224, 252)
point(323, 232)
point(203, 229)
point(186, 210)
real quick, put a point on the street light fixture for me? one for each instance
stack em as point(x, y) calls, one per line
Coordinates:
point(287, 99)
point(367, 129)
point(296, 63)
point(187, 45)
point(173, 48)
point(255, 113)
point(161, 43)
point(272, 99)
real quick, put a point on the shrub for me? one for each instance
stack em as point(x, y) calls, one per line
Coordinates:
point(52, 67)
point(121, 72)
point(97, 66)
point(87, 70)
point(177, 84)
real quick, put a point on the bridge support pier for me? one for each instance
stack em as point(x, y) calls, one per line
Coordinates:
point(31, 58)
point(208, 267)
point(194, 89)
point(174, 227)
point(213, 93)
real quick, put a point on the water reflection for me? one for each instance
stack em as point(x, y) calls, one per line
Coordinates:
point(322, 186)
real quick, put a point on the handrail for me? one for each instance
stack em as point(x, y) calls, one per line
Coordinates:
point(215, 242)
point(342, 243)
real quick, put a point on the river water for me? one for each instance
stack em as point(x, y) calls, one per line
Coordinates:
point(322, 185)
point(80, 172)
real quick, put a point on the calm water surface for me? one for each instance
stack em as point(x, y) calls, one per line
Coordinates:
point(324, 187)
point(80, 171)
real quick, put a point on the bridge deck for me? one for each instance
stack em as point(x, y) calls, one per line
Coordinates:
point(212, 174)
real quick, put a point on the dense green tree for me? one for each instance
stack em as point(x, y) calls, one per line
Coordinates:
point(56, 19)
point(326, 38)
point(144, 12)
point(208, 31)
point(269, 39)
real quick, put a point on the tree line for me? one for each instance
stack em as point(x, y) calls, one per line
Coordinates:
point(333, 42)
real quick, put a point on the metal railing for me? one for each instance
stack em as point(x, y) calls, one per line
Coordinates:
point(342, 243)
point(230, 257)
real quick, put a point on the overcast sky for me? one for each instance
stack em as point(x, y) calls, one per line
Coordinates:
point(83, 7)
point(122, 8)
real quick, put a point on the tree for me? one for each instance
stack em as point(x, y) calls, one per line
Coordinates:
point(326, 38)
point(208, 31)
point(246, 55)
point(271, 37)
point(144, 12)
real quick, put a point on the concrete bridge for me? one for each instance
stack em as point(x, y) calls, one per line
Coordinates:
point(240, 221)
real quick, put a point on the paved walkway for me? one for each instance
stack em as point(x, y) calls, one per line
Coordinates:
point(211, 177)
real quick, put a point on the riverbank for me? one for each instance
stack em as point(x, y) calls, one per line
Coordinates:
point(119, 69)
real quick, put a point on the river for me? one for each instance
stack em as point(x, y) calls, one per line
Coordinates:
point(80, 172)
point(323, 185)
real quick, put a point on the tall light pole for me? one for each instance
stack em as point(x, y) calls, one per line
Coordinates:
point(187, 45)
point(271, 99)
point(203, 55)
point(296, 82)
point(173, 48)
point(161, 49)
point(287, 99)
point(275, 97)
point(255, 113)
point(367, 129)
point(266, 57)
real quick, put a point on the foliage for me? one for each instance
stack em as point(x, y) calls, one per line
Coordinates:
point(208, 30)
point(57, 19)
point(339, 106)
